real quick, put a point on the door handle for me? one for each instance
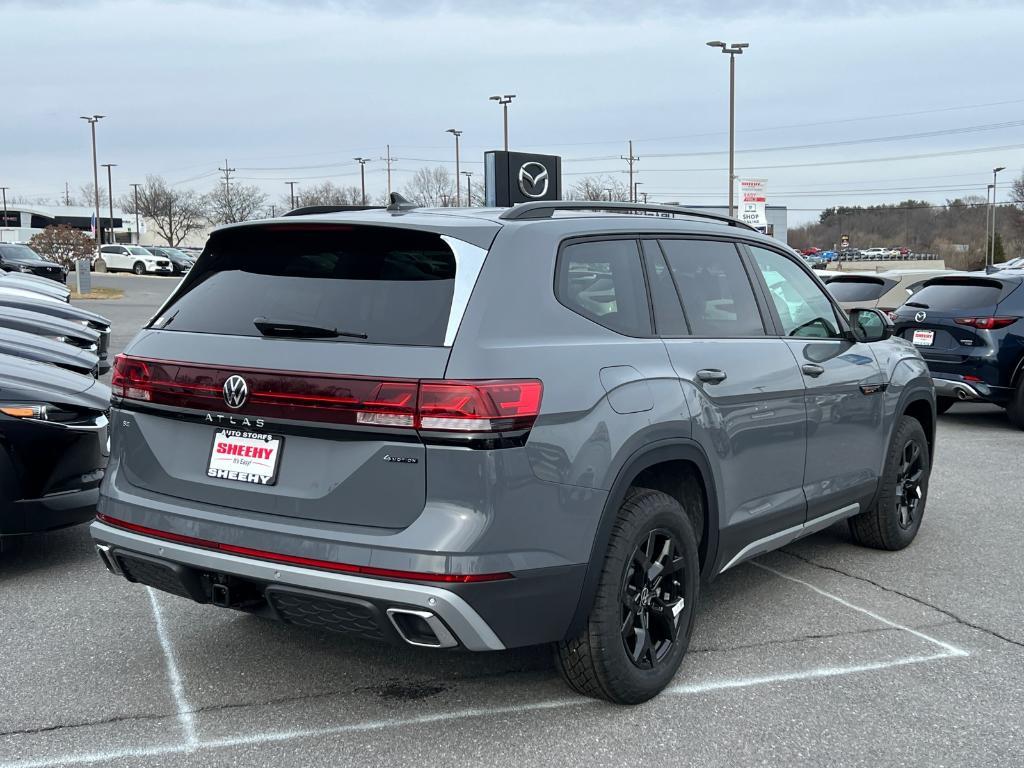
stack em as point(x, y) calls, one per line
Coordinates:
point(812, 369)
point(711, 375)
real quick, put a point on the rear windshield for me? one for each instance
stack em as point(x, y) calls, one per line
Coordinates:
point(867, 289)
point(392, 285)
point(964, 293)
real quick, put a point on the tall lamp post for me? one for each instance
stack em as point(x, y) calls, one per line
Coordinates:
point(995, 172)
point(362, 174)
point(456, 134)
point(110, 197)
point(138, 231)
point(291, 192)
point(469, 188)
point(504, 100)
point(636, 197)
point(733, 49)
point(95, 179)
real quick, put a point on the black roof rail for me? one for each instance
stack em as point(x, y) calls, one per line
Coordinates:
point(546, 209)
point(306, 210)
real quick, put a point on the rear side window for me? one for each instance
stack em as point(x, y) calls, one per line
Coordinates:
point(962, 293)
point(717, 297)
point(602, 280)
point(845, 289)
point(394, 286)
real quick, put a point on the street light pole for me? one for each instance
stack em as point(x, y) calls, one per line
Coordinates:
point(110, 197)
point(636, 197)
point(362, 174)
point(291, 191)
point(504, 100)
point(3, 191)
point(456, 134)
point(138, 230)
point(469, 188)
point(733, 50)
point(96, 180)
point(995, 172)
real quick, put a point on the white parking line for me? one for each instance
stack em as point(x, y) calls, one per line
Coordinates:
point(193, 743)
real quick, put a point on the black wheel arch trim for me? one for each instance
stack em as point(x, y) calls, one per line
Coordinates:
point(674, 449)
point(913, 394)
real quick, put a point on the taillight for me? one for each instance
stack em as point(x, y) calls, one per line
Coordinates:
point(443, 406)
point(986, 323)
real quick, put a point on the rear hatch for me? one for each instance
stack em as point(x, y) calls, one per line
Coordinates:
point(853, 291)
point(282, 376)
point(949, 320)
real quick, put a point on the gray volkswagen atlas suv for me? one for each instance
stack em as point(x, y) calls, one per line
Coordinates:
point(495, 428)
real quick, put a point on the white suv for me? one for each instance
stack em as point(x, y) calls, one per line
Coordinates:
point(133, 258)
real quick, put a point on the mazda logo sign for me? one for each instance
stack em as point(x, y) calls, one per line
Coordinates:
point(236, 391)
point(533, 179)
point(920, 316)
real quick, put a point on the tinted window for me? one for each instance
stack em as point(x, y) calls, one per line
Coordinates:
point(137, 251)
point(668, 313)
point(857, 290)
point(394, 285)
point(18, 253)
point(802, 305)
point(959, 294)
point(603, 281)
point(717, 297)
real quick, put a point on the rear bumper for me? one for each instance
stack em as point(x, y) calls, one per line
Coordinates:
point(950, 385)
point(185, 568)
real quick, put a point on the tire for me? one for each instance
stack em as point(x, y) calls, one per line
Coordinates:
point(139, 268)
point(99, 266)
point(1015, 408)
point(943, 404)
point(894, 520)
point(599, 661)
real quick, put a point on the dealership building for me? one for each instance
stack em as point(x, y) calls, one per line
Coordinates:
point(23, 221)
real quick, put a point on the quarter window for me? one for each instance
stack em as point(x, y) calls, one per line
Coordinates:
point(602, 280)
point(717, 297)
point(802, 305)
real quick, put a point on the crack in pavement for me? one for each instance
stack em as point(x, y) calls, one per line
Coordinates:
point(818, 636)
point(918, 600)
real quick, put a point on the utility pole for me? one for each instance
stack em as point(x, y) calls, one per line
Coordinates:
point(3, 191)
point(995, 172)
point(96, 180)
point(389, 159)
point(110, 197)
point(138, 231)
point(67, 193)
point(456, 134)
point(362, 174)
point(469, 189)
point(504, 101)
point(734, 49)
point(227, 171)
point(291, 191)
point(631, 159)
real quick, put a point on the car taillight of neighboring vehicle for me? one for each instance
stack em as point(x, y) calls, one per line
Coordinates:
point(502, 405)
point(986, 323)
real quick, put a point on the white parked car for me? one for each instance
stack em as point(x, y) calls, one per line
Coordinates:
point(133, 258)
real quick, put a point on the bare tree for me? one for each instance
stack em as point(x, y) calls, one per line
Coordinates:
point(87, 196)
point(174, 213)
point(327, 193)
point(239, 202)
point(599, 188)
point(431, 188)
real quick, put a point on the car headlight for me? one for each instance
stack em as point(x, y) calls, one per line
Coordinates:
point(36, 411)
point(23, 268)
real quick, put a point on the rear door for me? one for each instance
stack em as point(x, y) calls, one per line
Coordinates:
point(291, 420)
point(745, 393)
point(844, 385)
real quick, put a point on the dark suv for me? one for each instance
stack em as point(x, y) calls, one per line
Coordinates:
point(497, 428)
point(970, 330)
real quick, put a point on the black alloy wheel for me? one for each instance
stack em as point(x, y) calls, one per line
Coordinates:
point(908, 483)
point(653, 596)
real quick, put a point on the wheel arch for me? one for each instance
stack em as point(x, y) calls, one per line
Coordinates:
point(650, 465)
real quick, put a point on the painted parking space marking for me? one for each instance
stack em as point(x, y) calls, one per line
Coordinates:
point(193, 743)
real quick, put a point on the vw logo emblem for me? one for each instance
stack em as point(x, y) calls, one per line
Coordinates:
point(533, 179)
point(236, 391)
point(920, 316)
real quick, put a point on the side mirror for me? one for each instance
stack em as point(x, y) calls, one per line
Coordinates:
point(870, 325)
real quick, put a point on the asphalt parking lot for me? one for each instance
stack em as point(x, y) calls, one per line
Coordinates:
point(823, 653)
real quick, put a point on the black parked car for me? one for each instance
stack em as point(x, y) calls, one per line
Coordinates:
point(970, 331)
point(53, 446)
point(21, 258)
point(181, 262)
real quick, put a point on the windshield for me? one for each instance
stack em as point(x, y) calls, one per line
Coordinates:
point(19, 253)
point(959, 294)
point(857, 290)
point(393, 285)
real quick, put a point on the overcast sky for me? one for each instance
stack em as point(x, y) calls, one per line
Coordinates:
point(294, 90)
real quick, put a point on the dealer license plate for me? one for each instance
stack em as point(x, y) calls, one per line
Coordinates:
point(245, 457)
point(924, 338)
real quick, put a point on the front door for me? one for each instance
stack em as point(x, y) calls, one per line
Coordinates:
point(844, 386)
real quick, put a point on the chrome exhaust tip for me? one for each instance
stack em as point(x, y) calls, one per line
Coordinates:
point(421, 628)
point(961, 394)
point(105, 552)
